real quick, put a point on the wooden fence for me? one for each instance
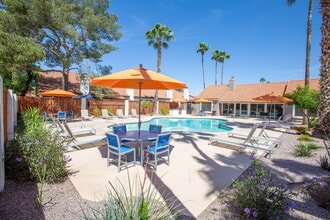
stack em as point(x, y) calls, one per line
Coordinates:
point(52, 105)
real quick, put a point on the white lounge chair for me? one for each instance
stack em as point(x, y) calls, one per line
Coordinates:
point(78, 142)
point(262, 136)
point(134, 114)
point(105, 114)
point(85, 115)
point(76, 131)
point(248, 142)
point(278, 124)
point(120, 113)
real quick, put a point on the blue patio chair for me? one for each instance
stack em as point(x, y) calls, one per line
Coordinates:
point(159, 150)
point(70, 115)
point(118, 129)
point(156, 129)
point(120, 150)
point(46, 117)
point(61, 116)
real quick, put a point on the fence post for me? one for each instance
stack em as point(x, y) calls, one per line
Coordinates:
point(2, 141)
point(10, 115)
point(126, 107)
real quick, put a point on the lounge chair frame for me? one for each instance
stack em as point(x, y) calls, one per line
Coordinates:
point(249, 142)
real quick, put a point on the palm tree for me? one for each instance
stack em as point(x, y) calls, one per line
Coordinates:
point(324, 105)
point(223, 56)
point(158, 37)
point(202, 48)
point(309, 38)
point(216, 57)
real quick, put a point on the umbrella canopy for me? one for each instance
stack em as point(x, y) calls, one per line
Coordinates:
point(138, 78)
point(202, 100)
point(271, 97)
point(57, 93)
point(179, 100)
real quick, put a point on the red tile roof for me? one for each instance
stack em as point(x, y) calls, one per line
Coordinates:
point(246, 92)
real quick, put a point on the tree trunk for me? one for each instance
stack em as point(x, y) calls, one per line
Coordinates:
point(308, 42)
point(308, 53)
point(324, 105)
point(203, 70)
point(28, 81)
point(216, 73)
point(159, 61)
point(223, 63)
point(65, 79)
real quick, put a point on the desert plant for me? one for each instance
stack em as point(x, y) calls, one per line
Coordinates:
point(136, 202)
point(258, 196)
point(304, 149)
point(145, 104)
point(36, 152)
point(324, 162)
point(313, 121)
point(164, 111)
point(305, 137)
point(37, 149)
point(301, 130)
point(110, 111)
point(97, 112)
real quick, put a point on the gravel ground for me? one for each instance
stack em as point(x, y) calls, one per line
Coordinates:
point(62, 201)
point(293, 171)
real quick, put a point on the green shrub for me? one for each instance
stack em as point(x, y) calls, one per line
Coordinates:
point(314, 122)
point(164, 111)
point(97, 112)
point(145, 104)
point(36, 151)
point(304, 149)
point(301, 130)
point(305, 137)
point(324, 162)
point(110, 112)
point(258, 196)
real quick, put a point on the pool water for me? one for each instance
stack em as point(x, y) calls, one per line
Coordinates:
point(184, 124)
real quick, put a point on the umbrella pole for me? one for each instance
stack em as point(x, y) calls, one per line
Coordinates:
point(139, 122)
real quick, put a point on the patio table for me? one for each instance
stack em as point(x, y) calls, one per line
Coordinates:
point(138, 137)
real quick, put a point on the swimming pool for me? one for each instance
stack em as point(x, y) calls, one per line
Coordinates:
point(184, 124)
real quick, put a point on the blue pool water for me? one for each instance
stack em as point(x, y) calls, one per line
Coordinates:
point(184, 124)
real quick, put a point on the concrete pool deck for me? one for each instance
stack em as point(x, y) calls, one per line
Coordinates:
point(195, 176)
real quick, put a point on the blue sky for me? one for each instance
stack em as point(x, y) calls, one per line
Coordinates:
point(264, 39)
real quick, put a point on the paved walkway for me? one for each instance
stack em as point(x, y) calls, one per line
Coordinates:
point(197, 171)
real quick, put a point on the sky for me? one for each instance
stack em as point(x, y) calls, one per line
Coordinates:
point(264, 38)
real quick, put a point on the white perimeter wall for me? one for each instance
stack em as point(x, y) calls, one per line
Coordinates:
point(2, 142)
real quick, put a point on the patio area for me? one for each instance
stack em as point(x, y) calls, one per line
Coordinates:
point(196, 174)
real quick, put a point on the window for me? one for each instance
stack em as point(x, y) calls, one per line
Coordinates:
point(228, 108)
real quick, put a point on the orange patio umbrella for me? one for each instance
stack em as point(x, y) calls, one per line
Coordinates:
point(138, 78)
point(202, 100)
point(57, 93)
point(271, 97)
point(179, 100)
